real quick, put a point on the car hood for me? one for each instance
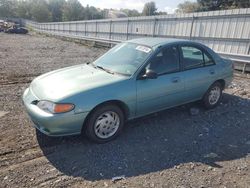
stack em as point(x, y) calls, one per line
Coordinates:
point(62, 83)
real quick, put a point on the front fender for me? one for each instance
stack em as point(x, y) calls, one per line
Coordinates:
point(124, 91)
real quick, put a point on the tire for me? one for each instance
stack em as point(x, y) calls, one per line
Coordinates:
point(105, 123)
point(213, 96)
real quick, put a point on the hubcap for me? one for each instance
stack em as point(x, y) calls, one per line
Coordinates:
point(107, 124)
point(214, 95)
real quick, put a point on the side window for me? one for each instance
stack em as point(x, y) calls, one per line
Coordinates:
point(208, 60)
point(192, 57)
point(166, 61)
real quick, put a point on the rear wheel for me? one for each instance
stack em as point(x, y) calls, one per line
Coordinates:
point(213, 96)
point(105, 123)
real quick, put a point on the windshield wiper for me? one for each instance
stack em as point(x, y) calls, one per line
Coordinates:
point(108, 71)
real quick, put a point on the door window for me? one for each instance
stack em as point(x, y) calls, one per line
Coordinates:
point(166, 61)
point(194, 57)
point(208, 60)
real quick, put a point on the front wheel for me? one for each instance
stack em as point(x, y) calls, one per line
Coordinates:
point(105, 123)
point(213, 96)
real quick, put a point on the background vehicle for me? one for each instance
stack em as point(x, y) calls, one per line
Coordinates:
point(1, 25)
point(16, 29)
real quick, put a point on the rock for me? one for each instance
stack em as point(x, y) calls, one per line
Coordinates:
point(106, 184)
point(243, 93)
point(210, 168)
point(211, 155)
point(192, 165)
point(248, 142)
point(232, 146)
point(3, 113)
point(118, 178)
point(176, 167)
point(152, 185)
point(194, 111)
point(206, 129)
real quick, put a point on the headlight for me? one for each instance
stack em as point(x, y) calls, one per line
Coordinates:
point(54, 107)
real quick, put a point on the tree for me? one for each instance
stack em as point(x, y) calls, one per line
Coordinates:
point(149, 9)
point(7, 8)
point(188, 7)
point(56, 9)
point(40, 11)
point(161, 13)
point(130, 13)
point(242, 3)
point(23, 9)
point(72, 10)
point(91, 13)
point(210, 5)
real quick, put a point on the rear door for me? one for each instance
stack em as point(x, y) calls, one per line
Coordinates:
point(198, 69)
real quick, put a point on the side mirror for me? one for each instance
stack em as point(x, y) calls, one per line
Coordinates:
point(150, 74)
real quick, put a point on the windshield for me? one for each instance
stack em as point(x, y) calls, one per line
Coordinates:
point(124, 58)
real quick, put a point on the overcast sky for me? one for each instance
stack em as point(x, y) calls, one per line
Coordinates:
point(162, 5)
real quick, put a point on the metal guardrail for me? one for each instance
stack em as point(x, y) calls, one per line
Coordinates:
point(226, 32)
point(242, 61)
point(236, 57)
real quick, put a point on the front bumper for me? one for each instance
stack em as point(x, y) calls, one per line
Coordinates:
point(63, 124)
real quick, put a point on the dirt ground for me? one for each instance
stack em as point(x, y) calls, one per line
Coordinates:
point(169, 149)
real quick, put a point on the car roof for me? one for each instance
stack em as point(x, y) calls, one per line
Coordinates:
point(156, 41)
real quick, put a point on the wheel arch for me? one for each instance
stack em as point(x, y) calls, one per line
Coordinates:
point(120, 104)
point(222, 82)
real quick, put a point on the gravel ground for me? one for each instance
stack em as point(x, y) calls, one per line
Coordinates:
point(171, 148)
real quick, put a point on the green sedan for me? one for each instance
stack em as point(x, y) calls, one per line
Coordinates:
point(133, 79)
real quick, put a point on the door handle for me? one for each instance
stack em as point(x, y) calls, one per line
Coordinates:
point(211, 71)
point(175, 79)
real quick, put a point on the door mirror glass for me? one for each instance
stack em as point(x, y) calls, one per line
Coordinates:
point(149, 74)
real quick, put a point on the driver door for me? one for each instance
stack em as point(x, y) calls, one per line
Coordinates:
point(167, 89)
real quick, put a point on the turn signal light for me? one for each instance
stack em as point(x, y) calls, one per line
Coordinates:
point(61, 108)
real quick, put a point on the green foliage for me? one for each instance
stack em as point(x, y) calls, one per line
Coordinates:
point(188, 7)
point(40, 11)
point(149, 9)
point(130, 13)
point(7, 8)
point(161, 13)
point(209, 5)
point(72, 10)
point(56, 9)
point(69, 10)
point(91, 13)
point(23, 10)
point(63, 10)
